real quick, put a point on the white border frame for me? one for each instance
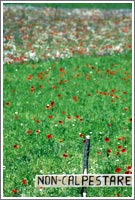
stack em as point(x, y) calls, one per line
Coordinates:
point(2, 2)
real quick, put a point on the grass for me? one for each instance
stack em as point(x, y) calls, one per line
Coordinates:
point(78, 5)
point(89, 95)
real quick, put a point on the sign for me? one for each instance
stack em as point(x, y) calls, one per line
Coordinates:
point(84, 180)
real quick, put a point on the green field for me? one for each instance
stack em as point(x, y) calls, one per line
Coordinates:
point(78, 5)
point(51, 103)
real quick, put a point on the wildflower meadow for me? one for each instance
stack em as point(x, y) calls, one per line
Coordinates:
point(67, 73)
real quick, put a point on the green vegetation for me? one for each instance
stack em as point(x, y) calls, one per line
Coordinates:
point(78, 5)
point(87, 95)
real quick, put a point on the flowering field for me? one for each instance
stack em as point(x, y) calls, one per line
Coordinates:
point(67, 74)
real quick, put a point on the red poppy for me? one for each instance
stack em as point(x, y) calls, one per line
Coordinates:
point(7, 103)
point(84, 141)
point(29, 131)
point(129, 167)
point(59, 95)
point(128, 172)
point(112, 90)
point(109, 124)
point(60, 140)
point(49, 136)
point(65, 155)
point(14, 191)
point(106, 139)
point(117, 153)
point(41, 86)
point(61, 69)
point(80, 134)
point(118, 195)
point(98, 153)
point(119, 147)
point(130, 119)
point(37, 131)
point(38, 121)
point(77, 116)
point(125, 109)
point(121, 138)
point(60, 122)
point(124, 92)
point(118, 169)
point(63, 112)
point(68, 117)
point(116, 97)
point(109, 150)
point(75, 98)
point(32, 89)
point(100, 92)
point(29, 77)
point(123, 150)
point(47, 107)
point(52, 103)
point(50, 116)
point(24, 182)
point(15, 146)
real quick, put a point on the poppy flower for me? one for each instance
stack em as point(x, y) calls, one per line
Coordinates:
point(15, 146)
point(37, 131)
point(75, 98)
point(128, 172)
point(29, 132)
point(84, 141)
point(125, 109)
point(124, 92)
point(38, 121)
point(106, 139)
point(112, 90)
point(109, 150)
point(49, 136)
point(121, 138)
point(61, 69)
point(80, 134)
point(117, 153)
point(32, 89)
point(47, 106)
point(65, 155)
point(29, 77)
point(123, 150)
point(69, 117)
point(98, 153)
point(41, 86)
point(130, 119)
point(52, 103)
point(118, 195)
point(119, 147)
point(60, 122)
point(60, 141)
point(59, 95)
point(50, 116)
point(118, 169)
point(129, 167)
point(7, 103)
point(109, 124)
point(77, 116)
point(63, 112)
point(24, 182)
point(14, 191)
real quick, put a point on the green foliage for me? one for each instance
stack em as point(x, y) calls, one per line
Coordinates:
point(94, 91)
point(78, 5)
